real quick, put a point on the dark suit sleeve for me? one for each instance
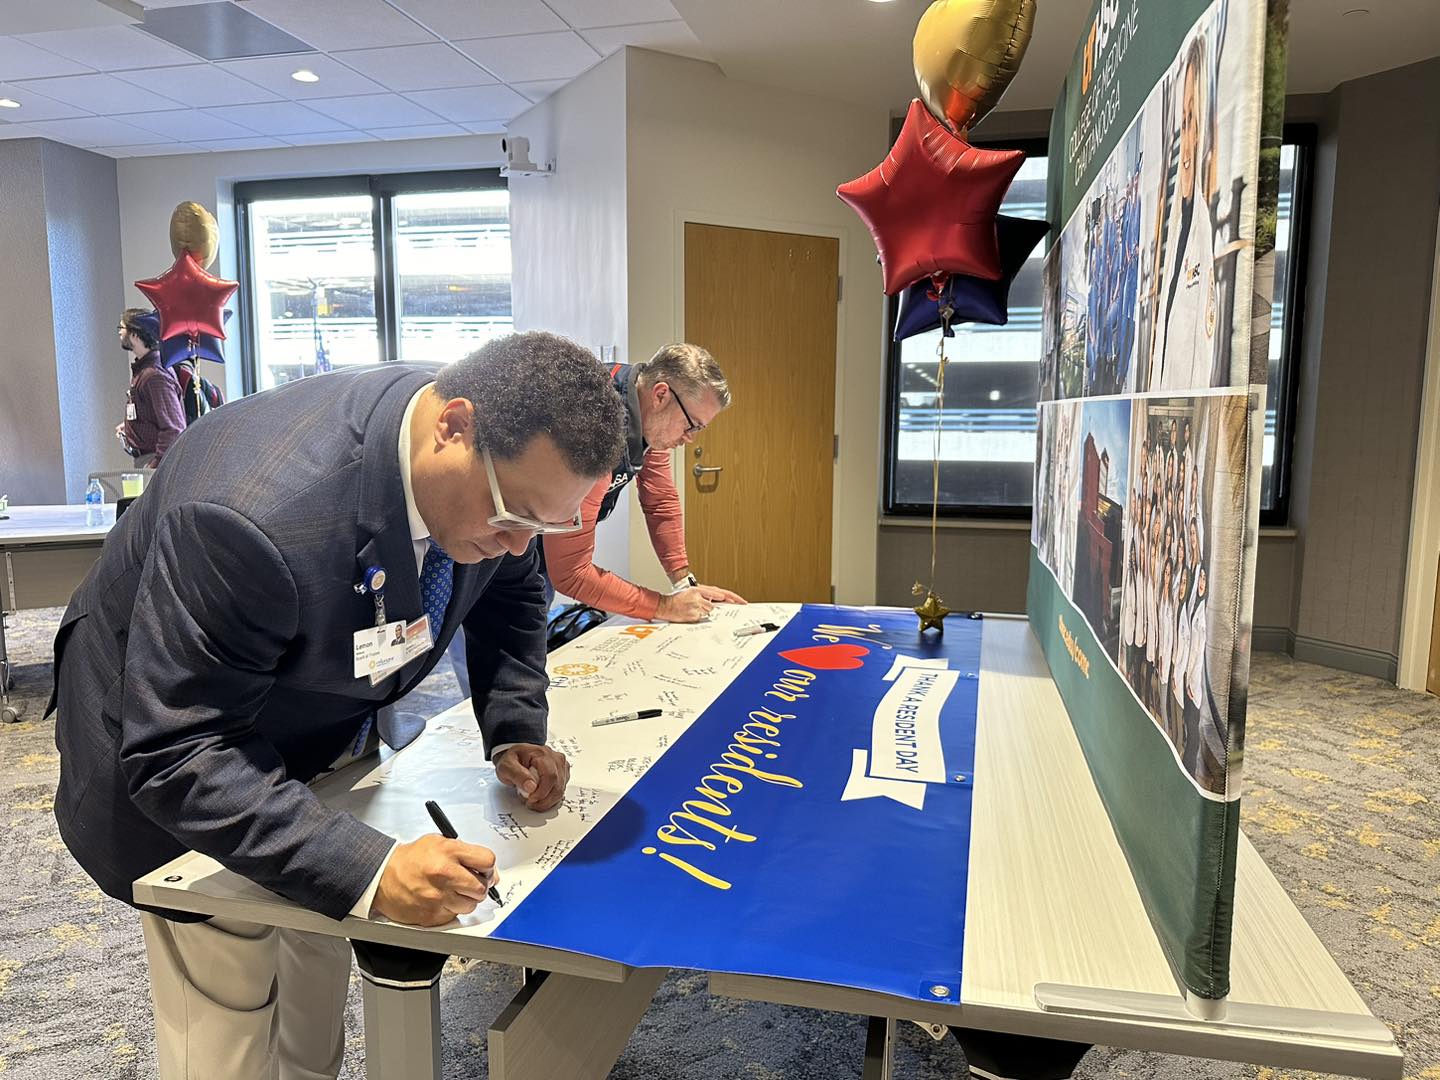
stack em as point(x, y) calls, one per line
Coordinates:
point(215, 612)
point(505, 654)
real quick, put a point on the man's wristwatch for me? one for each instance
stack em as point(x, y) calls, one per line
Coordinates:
point(687, 582)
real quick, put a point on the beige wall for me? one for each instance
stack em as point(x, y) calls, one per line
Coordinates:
point(706, 148)
point(62, 374)
point(1367, 319)
point(32, 462)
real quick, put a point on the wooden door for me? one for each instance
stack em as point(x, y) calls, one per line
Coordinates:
point(763, 303)
point(1432, 675)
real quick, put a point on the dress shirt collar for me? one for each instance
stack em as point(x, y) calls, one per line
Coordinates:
point(419, 531)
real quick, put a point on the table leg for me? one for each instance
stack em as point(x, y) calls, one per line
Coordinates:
point(400, 990)
point(9, 714)
point(566, 1025)
point(879, 1049)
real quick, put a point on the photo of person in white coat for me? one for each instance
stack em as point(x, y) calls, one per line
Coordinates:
point(1183, 344)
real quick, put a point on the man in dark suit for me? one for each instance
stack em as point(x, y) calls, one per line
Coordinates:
point(206, 667)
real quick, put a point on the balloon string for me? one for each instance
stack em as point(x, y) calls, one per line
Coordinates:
point(935, 471)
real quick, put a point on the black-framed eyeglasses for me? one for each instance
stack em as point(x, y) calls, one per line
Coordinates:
point(692, 428)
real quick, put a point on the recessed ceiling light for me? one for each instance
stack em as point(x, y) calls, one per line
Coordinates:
point(994, 395)
point(9, 103)
point(304, 75)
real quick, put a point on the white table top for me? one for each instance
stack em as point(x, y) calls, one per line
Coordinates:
point(1051, 901)
point(52, 525)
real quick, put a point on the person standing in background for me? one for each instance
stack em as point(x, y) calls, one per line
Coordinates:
point(154, 416)
point(669, 399)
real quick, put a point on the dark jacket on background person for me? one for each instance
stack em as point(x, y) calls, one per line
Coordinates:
point(204, 668)
point(159, 416)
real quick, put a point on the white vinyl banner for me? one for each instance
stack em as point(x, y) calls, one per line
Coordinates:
point(905, 739)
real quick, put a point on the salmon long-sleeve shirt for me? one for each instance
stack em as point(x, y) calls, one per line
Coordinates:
point(570, 557)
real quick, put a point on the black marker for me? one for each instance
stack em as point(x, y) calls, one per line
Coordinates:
point(448, 831)
point(760, 628)
point(643, 714)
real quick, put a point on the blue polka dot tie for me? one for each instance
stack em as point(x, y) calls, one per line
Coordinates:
point(437, 579)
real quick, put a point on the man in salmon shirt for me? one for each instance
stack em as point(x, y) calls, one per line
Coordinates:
point(668, 401)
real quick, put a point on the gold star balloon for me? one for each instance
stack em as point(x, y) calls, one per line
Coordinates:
point(932, 613)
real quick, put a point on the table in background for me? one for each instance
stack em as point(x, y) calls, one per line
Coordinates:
point(1057, 942)
point(46, 551)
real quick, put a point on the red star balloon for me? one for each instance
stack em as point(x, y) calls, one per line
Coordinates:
point(188, 299)
point(931, 203)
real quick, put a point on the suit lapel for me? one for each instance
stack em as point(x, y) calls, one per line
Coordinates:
point(383, 530)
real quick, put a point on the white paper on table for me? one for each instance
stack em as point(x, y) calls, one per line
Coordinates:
point(612, 669)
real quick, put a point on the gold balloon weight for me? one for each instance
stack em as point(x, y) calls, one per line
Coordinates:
point(932, 613)
point(966, 53)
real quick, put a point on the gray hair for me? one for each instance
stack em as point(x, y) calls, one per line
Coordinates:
point(524, 385)
point(689, 367)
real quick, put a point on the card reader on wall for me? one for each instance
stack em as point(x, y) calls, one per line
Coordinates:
point(517, 159)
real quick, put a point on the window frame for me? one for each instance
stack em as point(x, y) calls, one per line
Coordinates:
point(382, 189)
point(1303, 137)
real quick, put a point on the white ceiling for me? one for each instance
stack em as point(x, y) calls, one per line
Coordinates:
point(389, 69)
point(399, 69)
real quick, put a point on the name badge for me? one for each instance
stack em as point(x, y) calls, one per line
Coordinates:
point(379, 650)
point(130, 410)
point(418, 640)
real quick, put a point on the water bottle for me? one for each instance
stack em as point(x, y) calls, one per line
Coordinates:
point(94, 503)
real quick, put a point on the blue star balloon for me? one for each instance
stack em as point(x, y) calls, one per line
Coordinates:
point(207, 347)
point(972, 299)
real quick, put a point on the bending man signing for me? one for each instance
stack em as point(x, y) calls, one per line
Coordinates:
point(668, 401)
point(218, 657)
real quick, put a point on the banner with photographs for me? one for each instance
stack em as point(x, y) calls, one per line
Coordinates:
point(1149, 436)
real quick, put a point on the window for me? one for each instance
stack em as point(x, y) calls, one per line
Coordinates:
point(987, 436)
point(987, 439)
point(1286, 320)
point(364, 269)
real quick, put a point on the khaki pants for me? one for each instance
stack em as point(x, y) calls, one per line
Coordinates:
point(246, 1002)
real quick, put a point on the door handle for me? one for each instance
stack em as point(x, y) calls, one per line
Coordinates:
point(700, 470)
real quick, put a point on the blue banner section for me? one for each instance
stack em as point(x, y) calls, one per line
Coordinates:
point(804, 827)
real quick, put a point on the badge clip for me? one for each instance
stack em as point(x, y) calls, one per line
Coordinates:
point(373, 583)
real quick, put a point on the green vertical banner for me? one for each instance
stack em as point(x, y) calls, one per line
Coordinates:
point(1157, 292)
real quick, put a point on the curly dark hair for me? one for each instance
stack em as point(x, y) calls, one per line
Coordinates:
point(143, 324)
point(538, 383)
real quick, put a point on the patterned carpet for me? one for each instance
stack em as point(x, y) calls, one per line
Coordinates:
point(1342, 800)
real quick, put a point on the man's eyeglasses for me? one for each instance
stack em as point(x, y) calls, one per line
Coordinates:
point(692, 428)
point(502, 519)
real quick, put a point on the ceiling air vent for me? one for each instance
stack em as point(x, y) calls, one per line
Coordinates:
point(219, 31)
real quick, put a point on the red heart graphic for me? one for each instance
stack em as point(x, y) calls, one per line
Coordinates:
point(828, 657)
